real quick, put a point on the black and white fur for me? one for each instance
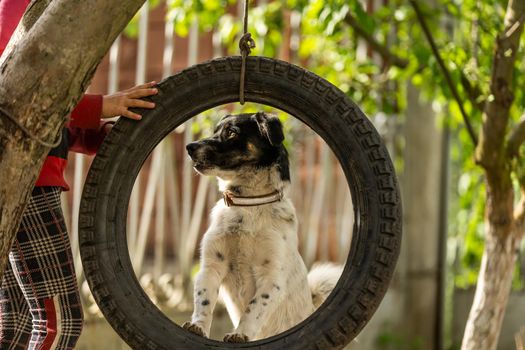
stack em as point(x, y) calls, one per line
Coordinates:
point(250, 253)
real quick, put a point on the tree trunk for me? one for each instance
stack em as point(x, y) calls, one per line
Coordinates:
point(492, 292)
point(33, 12)
point(421, 220)
point(42, 75)
point(502, 230)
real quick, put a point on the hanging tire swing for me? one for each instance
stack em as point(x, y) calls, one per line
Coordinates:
point(302, 94)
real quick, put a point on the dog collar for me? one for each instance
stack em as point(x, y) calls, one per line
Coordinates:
point(232, 200)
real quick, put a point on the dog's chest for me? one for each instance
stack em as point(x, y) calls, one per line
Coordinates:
point(246, 246)
point(245, 236)
point(246, 239)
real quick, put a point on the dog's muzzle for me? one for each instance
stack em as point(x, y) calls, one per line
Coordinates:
point(192, 148)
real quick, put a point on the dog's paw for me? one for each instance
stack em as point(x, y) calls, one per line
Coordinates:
point(235, 338)
point(193, 328)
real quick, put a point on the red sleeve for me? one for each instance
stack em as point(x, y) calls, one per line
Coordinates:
point(86, 114)
point(11, 11)
point(86, 141)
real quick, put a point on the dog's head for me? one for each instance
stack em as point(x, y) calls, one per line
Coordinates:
point(240, 143)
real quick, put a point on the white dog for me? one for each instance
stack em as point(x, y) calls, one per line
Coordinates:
point(250, 248)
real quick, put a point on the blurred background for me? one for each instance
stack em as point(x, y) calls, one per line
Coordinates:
point(375, 52)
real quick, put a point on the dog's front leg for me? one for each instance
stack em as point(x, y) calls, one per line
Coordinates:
point(206, 291)
point(268, 297)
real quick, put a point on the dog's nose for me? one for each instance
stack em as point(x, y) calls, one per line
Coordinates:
point(192, 147)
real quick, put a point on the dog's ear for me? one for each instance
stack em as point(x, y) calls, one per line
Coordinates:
point(226, 117)
point(270, 127)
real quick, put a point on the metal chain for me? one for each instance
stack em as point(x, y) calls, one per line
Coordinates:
point(29, 133)
point(246, 44)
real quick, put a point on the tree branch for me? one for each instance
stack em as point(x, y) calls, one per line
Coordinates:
point(491, 152)
point(473, 92)
point(516, 138)
point(388, 56)
point(39, 85)
point(519, 214)
point(514, 26)
point(444, 70)
point(33, 12)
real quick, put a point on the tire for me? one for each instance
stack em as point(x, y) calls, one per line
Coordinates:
point(328, 111)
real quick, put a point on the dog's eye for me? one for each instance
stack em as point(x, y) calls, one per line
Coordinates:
point(230, 134)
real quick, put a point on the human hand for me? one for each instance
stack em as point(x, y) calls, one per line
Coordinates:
point(108, 126)
point(118, 103)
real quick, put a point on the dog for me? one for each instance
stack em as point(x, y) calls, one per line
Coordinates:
point(249, 252)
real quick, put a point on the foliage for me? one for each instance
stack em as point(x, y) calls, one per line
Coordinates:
point(132, 29)
point(388, 340)
point(206, 12)
point(330, 45)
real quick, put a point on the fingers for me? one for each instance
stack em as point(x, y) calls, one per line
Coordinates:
point(118, 104)
point(142, 86)
point(134, 103)
point(133, 100)
point(140, 104)
point(131, 115)
point(107, 127)
point(142, 92)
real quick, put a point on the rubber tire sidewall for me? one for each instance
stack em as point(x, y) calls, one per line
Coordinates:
point(348, 132)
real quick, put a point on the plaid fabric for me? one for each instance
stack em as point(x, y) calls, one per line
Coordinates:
point(15, 318)
point(39, 302)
